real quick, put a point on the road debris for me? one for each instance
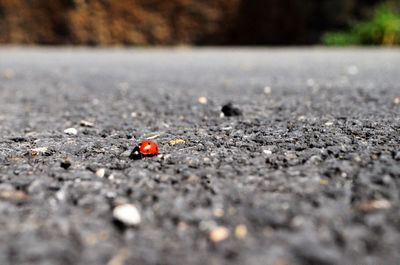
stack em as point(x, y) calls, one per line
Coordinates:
point(230, 110)
point(13, 195)
point(240, 231)
point(373, 205)
point(203, 100)
point(65, 164)
point(267, 90)
point(176, 141)
point(71, 131)
point(38, 151)
point(85, 123)
point(218, 234)
point(101, 172)
point(127, 214)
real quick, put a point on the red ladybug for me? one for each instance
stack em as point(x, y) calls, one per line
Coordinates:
point(145, 148)
point(148, 148)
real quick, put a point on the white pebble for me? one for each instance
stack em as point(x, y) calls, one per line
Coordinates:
point(302, 118)
point(134, 114)
point(85, 123)
point(219, 234)
point(127, 214)
point(38, 151)
point(203, 100)
point(267, 90)
point(267, 152)
point(101, 172)
point(396, 100)
point(71, 131)
point(329, 123)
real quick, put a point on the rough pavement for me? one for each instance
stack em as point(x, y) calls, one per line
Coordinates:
point(308, 174)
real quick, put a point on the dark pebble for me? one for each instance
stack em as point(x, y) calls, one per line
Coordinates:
point(230, 110)
point(65, 164)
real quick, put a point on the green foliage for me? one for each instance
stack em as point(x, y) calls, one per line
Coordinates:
point(382, 29)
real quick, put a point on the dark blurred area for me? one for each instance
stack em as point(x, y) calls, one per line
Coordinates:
point(174, 22)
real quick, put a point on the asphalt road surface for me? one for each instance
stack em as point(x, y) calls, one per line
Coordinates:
point(309, 173)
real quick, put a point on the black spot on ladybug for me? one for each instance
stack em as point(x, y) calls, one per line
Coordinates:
point(230, 110)
point(135, 154)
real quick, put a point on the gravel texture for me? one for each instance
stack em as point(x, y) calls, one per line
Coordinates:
point(309, 173)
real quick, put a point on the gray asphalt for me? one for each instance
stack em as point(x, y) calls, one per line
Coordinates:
point(308, 174)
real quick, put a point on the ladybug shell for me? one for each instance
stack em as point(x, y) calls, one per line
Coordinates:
point(148, 148)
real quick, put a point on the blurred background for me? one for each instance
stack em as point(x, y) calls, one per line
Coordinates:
point(199, 22)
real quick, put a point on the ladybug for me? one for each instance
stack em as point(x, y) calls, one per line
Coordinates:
point(148, 148)
point(144, 148)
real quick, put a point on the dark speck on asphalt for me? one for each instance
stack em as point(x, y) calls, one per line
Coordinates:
point(230, 110)
point(65, 164)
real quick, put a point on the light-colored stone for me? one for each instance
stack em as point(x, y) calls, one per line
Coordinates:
point(127, 214)
point(267, 152)
point(71, 131)
point(203, 100)
point(101, 172)
point(373, 205)
point(176, 141)
point(218, 234)
point(240, 231)
point(267, 90)
point(85, 123)
point(38, 151)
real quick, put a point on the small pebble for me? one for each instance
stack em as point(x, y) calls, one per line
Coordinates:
point(127, 214)
point(230, 110)
point(176, 141)
point(85, 123)
point(38, 151)
point(301, 118)
point(219, 234)
point(324, 182)
point(71, 131)
point(396, 100)
point(134, 114)
point(267, 90)
point(328, 123)
point(154, 136)
point(267, 152)
point(218, 212)
point(203, 100)
point(101, 172)
point(13, 195)
point(65, 164)
point(373, 205)
point(240, 231)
